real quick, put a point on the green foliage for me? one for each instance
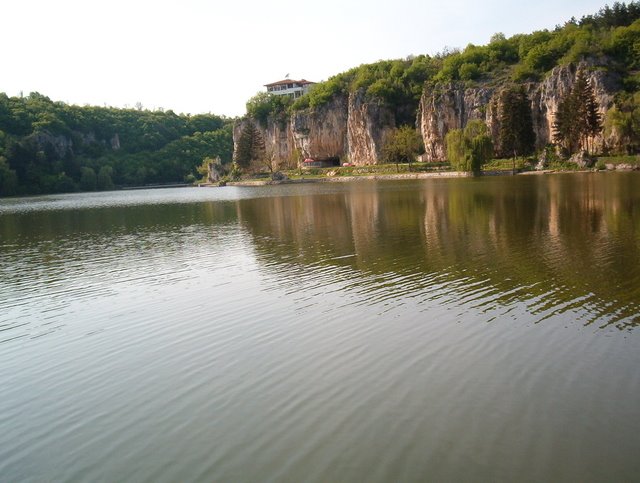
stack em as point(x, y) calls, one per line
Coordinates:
point(613, 31)
point(394, 83)
point(403, 145)
point(469, 148)
point(609, 39)
point(105, 181)
point(577, 119)
point(623, 122)
point(516, 136)
point(235, 172)
point(250, 146)
point(8, 179)
point(624, 45)
point(265, 104)
point(88, 179)
point(47, 145)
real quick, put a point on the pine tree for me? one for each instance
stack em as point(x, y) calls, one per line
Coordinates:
point(516, 136)
point(250, 146)
point(566, 132)
point(593, 119)
point(577, 119)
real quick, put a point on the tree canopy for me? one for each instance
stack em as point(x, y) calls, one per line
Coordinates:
point(48, 146)
point(469, 148)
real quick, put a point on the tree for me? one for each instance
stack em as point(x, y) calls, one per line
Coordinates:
point(469, 148)
point(265, 104)
point(516, 136)
point(104, 178)
point(403, 145)
point(577, 119)
point(8, 179)
point(592, 116)
point(250, 146)
point(88, 179)
point(623, 122)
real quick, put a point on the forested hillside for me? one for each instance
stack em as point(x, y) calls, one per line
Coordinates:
point(49, 147)
point(609, 40)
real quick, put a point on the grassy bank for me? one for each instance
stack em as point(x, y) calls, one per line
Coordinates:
point(427, 170)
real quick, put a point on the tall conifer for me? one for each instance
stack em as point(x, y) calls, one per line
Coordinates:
point(577, 119)
point(516, 136)
point(250, 146)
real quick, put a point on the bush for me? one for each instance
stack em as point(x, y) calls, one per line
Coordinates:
point(469, 148)
point(403, 145)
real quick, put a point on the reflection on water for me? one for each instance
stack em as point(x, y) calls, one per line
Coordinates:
point(558, 243)
point(446, 330)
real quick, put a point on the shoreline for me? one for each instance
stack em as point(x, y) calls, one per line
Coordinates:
point(383, 177)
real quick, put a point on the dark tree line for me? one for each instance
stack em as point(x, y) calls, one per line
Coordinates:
point(48, 146)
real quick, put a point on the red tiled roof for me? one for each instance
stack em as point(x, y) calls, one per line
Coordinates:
point(301, 82)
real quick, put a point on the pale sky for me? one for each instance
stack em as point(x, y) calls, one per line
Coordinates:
point(196, 56)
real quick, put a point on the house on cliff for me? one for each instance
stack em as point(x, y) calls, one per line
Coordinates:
point(289, 87)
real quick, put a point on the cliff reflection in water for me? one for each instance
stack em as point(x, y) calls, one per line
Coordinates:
point(563, 245)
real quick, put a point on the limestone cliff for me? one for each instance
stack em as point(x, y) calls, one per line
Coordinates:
point(452, 106)
point(322, 132)
point(354, 128)
point(447, 107)
point(368, 126)
point(349, 128)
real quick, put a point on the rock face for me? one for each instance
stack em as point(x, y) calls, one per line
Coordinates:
point(321, 133)
point(448, 107)
point(368, 126)
point(347, 128)
point(452, 106)
point(354, 129)
point(546, 95)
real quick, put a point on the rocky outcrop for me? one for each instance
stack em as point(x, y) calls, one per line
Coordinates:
point(348, 128)
point(277, 137)
point(452, 106)
point(322, 132)
point(546, 95)
point(368, 127)
point(355, 128)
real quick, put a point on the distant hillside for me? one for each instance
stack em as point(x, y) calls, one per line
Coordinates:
point(48, 147)
point(351, 115)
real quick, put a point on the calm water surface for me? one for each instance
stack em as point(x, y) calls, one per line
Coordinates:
point(440, 330)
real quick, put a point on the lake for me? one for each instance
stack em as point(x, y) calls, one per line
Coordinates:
point(434, 330)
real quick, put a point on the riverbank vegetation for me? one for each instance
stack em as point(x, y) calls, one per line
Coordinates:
point(49, 147)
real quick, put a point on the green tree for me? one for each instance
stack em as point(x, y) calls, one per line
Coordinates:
point(516, 136)
point(8, 179)
point(88, 179)
point(577, 119)
point(403, 145)
point(250, 146)
point(105, 181)
point(469, 148)
point(265, 104)
point(623, 122)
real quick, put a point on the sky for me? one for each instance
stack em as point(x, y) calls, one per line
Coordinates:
point(198, 56)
